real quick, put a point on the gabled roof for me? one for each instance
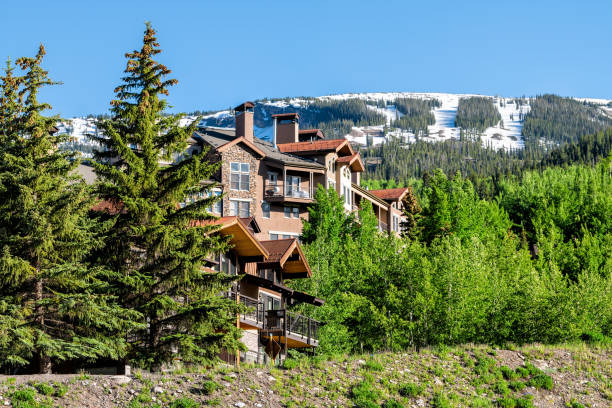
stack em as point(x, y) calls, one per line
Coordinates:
point(243, 140)
point(281, 250)
point(219, 137)
point(390, 194)
point(242, 238)
point(312, 133)
point(318, 146)
point(354, 161)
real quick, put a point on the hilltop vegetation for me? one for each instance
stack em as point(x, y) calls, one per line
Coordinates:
point(417, 113)
point(560, 120)
point(476, 114)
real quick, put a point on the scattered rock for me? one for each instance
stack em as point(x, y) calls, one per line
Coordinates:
point(240, 404)
point(361, 362)
point(158, 390)
point(121, 379)
point(270, 378)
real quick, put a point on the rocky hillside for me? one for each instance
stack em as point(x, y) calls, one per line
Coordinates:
point(471, 376)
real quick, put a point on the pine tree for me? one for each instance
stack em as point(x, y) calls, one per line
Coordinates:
point(45, 285)
point(412, 211)
point(156, 242)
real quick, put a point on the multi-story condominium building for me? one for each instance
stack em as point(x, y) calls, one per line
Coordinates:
point(266, 188)
point(274, 182)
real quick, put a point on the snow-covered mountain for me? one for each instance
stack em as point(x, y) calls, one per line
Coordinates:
point(505, 135)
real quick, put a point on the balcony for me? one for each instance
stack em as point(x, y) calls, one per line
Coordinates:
point(277, 191)
point(254, 315)
point(303, 327)
point(301, 331)
point(296, 330)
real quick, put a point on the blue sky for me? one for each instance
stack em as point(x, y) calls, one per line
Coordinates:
point(225, 52)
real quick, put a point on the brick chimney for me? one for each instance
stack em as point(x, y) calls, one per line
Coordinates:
point(244, 120)
point(287, 128)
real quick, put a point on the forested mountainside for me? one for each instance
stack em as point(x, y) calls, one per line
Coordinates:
point(405, 135)
point(555, 120)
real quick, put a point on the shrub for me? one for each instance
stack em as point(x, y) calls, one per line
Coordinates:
point(525, 402)
point(44, 388)
point(24, 395)
point(184, 403)
point(440, 400)
point(60, 389)
point(373, 365)
point(410, 390)
point(517, 385)
point(392, 404)
point(501, 388)
point(364, 395)
point(507, 402)
point(522, 372)
point(541, 380)
point(209, 386)
point(533, 370)
point(290, 363)
point(508, 373)
point(24, 398)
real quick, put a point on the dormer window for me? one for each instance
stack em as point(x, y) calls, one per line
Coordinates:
point(239, 176)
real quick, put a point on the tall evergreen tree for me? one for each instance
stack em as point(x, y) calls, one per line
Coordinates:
point(153, 241)
point(45, 285)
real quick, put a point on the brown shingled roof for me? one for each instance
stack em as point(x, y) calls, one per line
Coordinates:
point(354, 161)
point(280, 251)
point(390, 193)
point(314, 146)
point(277, 248)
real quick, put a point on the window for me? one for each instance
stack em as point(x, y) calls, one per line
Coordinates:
point(346, 192)
point(239, 176)
point(272, 178)
point(273, 237)
point(265, 209)
point(292, 212)
point(293, 186)
point(239, 208)
point(396, 223)
point(217, 207)
point(331, 184)
point(331, 165)
point(226, 264)
point(270, 302)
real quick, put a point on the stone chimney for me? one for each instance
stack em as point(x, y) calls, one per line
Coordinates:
point(287, 128)
point(244, 120)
